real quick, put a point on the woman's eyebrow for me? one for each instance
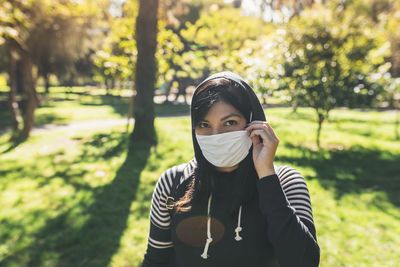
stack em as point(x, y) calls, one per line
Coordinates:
point(231, 115)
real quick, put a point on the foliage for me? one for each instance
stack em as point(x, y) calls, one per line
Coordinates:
point(58, 33)
point(209, 44)
point(67, 33)
point(25, 27)
point(263, 62)
point(392, 20)
point(116, 60)
point(351, 45)
point(333, 58)
point(219, 33)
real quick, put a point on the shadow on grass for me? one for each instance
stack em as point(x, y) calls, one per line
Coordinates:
point(42, 119)
point(355, 170)
point(104, 217)
point(11, 146)
point(48, 118)
point(119, 104)
point(99, 239)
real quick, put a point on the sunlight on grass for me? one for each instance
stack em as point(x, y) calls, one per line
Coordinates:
point(88, 107)
point(79, 198)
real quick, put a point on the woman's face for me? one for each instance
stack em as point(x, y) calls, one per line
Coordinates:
point(221, 118)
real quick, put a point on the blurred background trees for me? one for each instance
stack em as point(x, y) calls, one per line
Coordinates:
point(73, 70)
point(334, 58)
point(323, 54)
point(43, 38)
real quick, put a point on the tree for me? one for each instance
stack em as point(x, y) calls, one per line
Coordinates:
point(182, 62)
point(14, 29)
point(390, 98)
point(384, 15)
point(334, 58)
point(203, 45)
point(263, 61)
point(37, 34)
point(116, 60)
point(146, 40)
point(62, 37)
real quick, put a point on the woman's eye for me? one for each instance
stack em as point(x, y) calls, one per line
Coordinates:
point(230, 123)
point(203, 125)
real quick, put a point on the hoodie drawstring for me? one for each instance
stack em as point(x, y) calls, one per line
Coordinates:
point(238, 229)
point(209, 239)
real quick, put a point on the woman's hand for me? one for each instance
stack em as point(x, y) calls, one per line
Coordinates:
point(263, 152)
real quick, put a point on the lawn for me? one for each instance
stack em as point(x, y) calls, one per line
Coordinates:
point(82, 198)
point(63, 106)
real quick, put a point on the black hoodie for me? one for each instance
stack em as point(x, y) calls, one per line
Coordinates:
point(274, 228)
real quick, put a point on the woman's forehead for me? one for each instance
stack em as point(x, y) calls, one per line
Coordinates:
point(221, 108)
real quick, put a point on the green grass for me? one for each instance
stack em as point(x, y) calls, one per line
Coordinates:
point(82, 198)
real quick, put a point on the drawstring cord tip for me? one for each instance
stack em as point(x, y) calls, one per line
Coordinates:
point(237, 230)
point(208, 242)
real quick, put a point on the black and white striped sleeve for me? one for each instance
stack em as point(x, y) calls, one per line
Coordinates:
point(285, 204)
point(160, 246)
point(296, 192)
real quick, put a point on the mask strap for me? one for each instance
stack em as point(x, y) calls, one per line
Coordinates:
point(251, 116)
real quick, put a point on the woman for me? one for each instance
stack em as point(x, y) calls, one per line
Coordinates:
point(230, 205)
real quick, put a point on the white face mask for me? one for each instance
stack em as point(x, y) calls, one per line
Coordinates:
point(226, 149)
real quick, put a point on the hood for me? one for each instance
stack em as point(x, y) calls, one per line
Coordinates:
point(255, 105)
point(245, 187)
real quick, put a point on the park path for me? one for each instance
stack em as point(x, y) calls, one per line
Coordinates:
point(80, 125)
point(85, 125)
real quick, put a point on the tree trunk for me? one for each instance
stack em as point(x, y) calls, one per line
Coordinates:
point(28, 83)
point(321, 119)
point(16, 118)
point(46, 77)
point(167, 91)
point(395, 56)
point(294, 107)
point(397, 124)
point(146, 40)
point(237, 3)
point(19, 76)
point(32, 97)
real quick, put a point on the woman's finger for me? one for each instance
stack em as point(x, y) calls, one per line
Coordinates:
point(255, 139)
point(256, 126)
point(260, 133)
point(268, 129)
point(256, 122)
point(268, 133)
